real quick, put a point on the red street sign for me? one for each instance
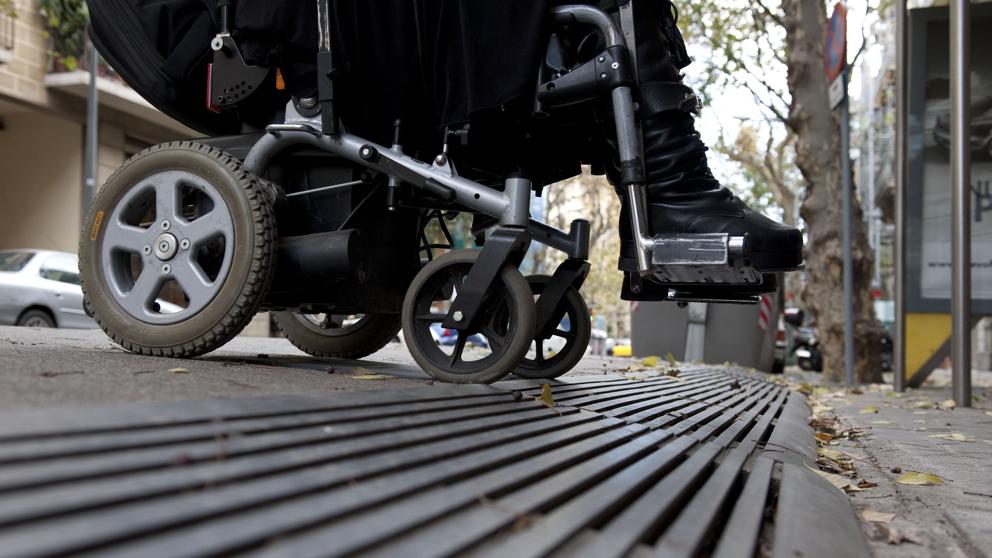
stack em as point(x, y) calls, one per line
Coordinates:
point(835, 51)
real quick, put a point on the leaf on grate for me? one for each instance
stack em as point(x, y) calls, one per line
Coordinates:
point(877, 517)
point(955, 437)
point(671, 359)
point(179, 371)
point(370, 377)
point(882, 422)
point(923, 405)
point(920, 479)
point(869, 410)
point(547, 398)
point(650, 361)
point(949, 404)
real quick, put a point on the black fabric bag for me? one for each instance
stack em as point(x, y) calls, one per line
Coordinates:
point(162, 48)
point(431, 63)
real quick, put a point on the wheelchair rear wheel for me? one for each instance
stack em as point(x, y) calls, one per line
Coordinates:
point(501, 332)
point(338, 336)
point(177, 252)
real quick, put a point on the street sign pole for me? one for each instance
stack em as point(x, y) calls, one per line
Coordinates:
point(835, 65)
point(960, 202)
point(899, 248)
point(92, 133)
point(845, 169)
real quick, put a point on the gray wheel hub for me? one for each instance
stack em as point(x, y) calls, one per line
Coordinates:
point(171, 247)
point(166, 247)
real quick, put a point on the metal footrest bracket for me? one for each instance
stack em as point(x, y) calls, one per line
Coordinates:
point(717, 258)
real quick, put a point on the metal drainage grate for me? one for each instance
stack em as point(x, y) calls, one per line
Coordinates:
point(705, 464)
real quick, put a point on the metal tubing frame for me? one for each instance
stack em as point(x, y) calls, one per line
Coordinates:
point(960, 46)
point(510, 207)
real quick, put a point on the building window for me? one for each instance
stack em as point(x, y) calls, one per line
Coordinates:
point(7, 28)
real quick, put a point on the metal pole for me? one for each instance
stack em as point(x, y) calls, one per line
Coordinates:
point(845, 169)
point(961, 202)
point(92, 133)
point(899, 260)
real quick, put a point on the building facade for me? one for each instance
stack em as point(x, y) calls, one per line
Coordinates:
point(43, 128)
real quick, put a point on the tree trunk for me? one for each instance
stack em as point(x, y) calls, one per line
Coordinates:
point(818, 158)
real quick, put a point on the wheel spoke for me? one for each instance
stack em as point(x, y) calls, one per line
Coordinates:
point(144, 290)
point(564, 334)
point(431, 318)
point(496, 342)
point(166, 198)
point(194, 282)
point(129, 238)
point(208, 226)
point(539, 353)
point(459, 347)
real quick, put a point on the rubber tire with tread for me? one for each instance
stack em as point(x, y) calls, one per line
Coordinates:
point(252, 262)
point(39, 314)
point(373, 335)
point(583, 329)
point(521, 295)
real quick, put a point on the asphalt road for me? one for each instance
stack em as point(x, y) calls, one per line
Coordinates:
point(47, 367)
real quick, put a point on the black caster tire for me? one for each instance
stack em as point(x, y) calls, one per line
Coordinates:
point(352, 341)
point(178, 251)
point(506, 320)
point(573, 306)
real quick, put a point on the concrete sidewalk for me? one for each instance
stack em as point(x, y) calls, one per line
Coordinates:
point(889, 434)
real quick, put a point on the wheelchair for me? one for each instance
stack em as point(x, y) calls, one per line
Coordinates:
point(188, 240)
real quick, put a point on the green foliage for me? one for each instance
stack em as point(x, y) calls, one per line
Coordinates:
point(7, 8)
point(65, 26)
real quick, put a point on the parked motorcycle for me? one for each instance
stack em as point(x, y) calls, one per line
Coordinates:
point(806, 346)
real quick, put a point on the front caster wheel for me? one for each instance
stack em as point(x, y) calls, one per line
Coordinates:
point(178, 251)
point(338, 336)
point(500, 337)
point(556, 351)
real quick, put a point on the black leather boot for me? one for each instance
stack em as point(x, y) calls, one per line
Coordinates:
point(683, 196)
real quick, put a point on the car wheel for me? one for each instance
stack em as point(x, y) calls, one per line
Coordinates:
point(36, 318)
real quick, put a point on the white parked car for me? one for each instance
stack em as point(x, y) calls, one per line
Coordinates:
point(40, 288)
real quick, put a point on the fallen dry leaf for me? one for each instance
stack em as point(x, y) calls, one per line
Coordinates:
point(370, 377)
point(916, 478)
point(988, 413)
point(923, 405)
point(869, 410)
point(949, 404)
point(955, 437)
point(824, 437)
point(898, 536)
point(881, 422)
point(842, 483)
point(650, 361)
point(179, 371)
point(547, 398)
point(877, 517)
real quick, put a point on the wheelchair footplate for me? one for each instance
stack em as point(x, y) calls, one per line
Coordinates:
point(712, 267)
